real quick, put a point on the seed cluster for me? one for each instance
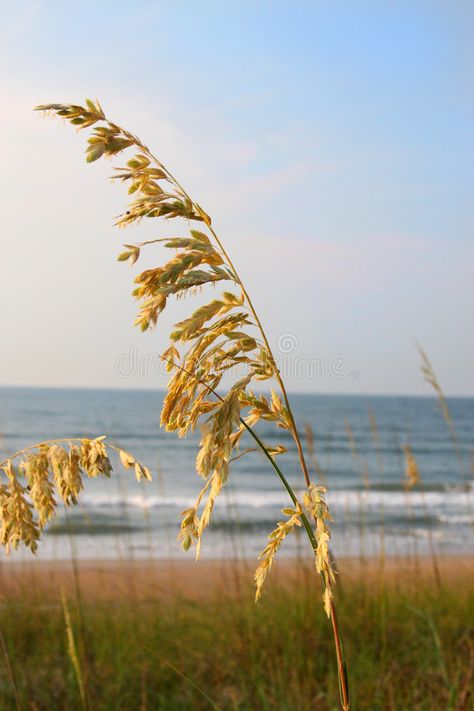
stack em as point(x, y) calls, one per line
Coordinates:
point(218, 340)
point(41, 474)
point(275, 539)
point(315, 503)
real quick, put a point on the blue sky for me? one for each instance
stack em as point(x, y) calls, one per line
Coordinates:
point(332, 144)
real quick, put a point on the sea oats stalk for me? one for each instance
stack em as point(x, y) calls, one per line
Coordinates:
point(72, 652)
point(430, 377)
point(221, 338)
point(39, 475)
point(412, 480)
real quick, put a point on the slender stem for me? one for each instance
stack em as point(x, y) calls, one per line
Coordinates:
point(10, 672)
point(341, 665)
point(283, 479)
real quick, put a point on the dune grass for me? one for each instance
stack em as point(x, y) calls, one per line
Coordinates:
point(411, 646)
point(220, 340)
point(411, 643)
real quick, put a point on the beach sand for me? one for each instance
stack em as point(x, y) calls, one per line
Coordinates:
point(196, 580)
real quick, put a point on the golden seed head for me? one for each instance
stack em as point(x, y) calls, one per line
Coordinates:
point(275, 539)
point(49, 470)
point(412, 473)
point(221, 337)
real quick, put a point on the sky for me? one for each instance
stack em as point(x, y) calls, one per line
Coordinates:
point(332, 143)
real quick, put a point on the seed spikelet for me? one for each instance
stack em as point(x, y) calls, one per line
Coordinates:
point(275, 539)
point(50, 469)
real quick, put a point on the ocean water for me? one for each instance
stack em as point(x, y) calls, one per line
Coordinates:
point(120, 517)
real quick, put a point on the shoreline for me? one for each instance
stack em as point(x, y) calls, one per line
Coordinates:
point(195, 580)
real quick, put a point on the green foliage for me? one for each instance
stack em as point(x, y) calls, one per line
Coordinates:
point(151, 654)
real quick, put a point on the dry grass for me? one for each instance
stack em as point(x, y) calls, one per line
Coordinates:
point(222, 338)
point(146, 652)
point(187, 637)
point(51, 469)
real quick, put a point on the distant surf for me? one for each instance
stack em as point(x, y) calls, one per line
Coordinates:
point(369, 505)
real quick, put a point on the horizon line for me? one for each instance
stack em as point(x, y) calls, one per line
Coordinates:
point(106, 388)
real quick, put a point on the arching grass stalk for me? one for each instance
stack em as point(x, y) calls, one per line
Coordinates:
point(430, 377)
point(73, 653)
point(218, 339)
point(276, 372)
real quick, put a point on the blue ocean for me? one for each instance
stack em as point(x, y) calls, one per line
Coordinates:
point(358, 455)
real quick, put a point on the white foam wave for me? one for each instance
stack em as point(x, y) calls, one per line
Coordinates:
point(457, 518)
point(438, 503)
